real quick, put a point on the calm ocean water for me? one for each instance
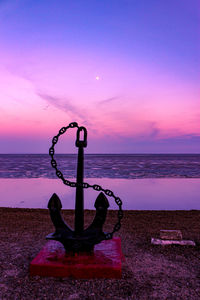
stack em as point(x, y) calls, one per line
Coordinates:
point(127, 166)
point(141, 181)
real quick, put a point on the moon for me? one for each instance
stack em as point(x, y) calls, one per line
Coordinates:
point(97, 77)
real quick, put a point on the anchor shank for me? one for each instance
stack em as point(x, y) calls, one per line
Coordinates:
point(79, 206)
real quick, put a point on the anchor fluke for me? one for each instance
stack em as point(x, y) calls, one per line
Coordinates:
point(54, 202)
point(54, 207)
point(101, 201)
point(101, 205)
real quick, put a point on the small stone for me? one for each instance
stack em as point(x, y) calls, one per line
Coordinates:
point(171, 235)
point(74, 297)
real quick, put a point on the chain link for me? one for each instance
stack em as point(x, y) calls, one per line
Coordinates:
point(85, 185)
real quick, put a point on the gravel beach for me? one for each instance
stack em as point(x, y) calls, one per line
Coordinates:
point(148, 272)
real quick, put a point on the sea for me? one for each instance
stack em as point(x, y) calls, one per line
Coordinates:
point(142, 181)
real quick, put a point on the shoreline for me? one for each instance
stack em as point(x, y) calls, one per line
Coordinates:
point(28, 209)
point(148, 272)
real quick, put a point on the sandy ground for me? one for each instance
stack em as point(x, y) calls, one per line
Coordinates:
point(148, 272)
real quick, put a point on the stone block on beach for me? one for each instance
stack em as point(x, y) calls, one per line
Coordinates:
point(171, 235)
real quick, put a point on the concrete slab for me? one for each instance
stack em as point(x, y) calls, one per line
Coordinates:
point(172, 242)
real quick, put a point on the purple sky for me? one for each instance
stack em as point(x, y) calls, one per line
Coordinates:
point(127, 70)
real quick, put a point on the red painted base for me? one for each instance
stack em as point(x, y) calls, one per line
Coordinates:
point(103, 262)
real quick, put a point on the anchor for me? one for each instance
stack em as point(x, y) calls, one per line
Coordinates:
point(80, 239)
point(87, 253)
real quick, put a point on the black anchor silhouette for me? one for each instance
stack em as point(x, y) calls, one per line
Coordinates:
point(79, 239)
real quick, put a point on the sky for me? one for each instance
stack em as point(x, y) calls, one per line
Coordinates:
point(127, 70)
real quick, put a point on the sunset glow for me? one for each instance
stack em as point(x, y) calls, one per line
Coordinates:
point(52, 57)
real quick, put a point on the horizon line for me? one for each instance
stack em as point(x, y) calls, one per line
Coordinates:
point(121, 153)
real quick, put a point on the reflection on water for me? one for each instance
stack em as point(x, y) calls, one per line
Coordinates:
point(148, 194)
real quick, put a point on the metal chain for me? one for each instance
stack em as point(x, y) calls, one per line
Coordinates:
point(85, 185)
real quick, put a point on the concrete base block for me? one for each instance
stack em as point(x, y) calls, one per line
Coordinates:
point(103, 262)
